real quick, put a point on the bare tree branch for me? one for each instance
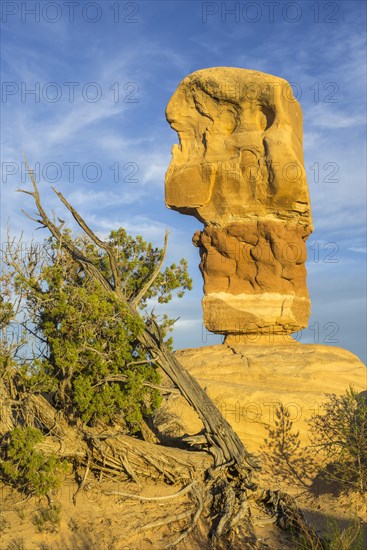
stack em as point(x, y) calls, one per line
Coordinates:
point(157, 270)
point(113, 264)
point(76, 254)
point(181, 492)
point(123, 378)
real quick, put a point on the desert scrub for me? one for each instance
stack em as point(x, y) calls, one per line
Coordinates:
point(283, 452)
point(335, 538)
point(47, 519)
point(4, 524)
point(91, 361)
point(340, 433)
point(26, 468)
point(16, 543)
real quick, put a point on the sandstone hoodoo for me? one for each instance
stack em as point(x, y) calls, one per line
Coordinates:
point(239, 169)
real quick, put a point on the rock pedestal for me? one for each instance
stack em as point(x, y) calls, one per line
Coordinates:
point(247, 382)
point(239, 169)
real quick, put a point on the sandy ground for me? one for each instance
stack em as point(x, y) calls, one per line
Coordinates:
point(108, 522)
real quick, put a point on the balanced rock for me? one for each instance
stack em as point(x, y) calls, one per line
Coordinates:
point(239, 169)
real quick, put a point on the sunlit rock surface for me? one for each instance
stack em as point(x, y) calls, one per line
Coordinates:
point(239, 169)
point(247, 381)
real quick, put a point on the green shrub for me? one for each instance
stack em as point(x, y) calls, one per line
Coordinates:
point(335, 538)
point(47, 519)
point(283, 451)
point(26, 468)
point(340, 432)
point(17, 543)
point(91, 359)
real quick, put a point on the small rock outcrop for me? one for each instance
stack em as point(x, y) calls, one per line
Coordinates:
point(239, 169)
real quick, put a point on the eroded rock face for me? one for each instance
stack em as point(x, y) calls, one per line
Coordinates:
point(246, 382)
point(239, 169)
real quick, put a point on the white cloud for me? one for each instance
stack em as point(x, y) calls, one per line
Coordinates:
point(327, 116)
point(103, 199)
point(157, 59)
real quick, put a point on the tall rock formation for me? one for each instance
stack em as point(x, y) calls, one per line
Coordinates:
point(239, 169)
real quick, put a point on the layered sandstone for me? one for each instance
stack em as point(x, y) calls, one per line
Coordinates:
point(248, 381)
point(239, 169)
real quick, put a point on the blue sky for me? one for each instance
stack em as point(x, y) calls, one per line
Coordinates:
point(102, 74)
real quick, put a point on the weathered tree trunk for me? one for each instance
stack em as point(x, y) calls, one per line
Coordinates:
point(6, 410)
point(110, 451)
point(224, 443)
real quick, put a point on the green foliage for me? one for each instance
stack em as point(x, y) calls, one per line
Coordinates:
point(89, 357)
point(17, 543)
point(335, 538)
point(6, 312)
point(47, 519)
point(90, 338)
point(137, 260)
point(283, 450)
point(4, 524)
point(350, 538)
point(25, 467)
point(7, 326)
point(340, 432)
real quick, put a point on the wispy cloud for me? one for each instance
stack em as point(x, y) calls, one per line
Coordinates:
point(325, 116)
point(169, 41)
point(358, 250)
